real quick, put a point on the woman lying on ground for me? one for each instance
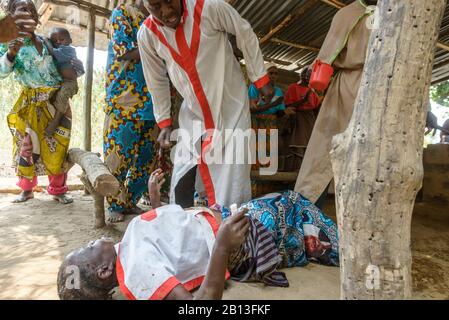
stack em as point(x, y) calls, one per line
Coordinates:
point(168, 252)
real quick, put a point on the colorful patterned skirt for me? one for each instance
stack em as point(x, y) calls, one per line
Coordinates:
point(302, 232)
point(36, 154)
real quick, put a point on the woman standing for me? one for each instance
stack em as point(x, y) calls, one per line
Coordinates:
point(130, 130)
point(35, 154)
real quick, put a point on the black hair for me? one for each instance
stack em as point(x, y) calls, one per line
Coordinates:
point(62, 31)
point(90, 287)
point(12, 4)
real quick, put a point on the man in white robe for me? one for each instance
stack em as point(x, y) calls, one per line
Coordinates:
point(186, 41)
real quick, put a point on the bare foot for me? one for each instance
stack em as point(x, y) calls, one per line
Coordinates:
point(24, 197)
point(115, 217)
point(63, 199)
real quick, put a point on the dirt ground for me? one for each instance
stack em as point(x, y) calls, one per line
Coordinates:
point(37, 235)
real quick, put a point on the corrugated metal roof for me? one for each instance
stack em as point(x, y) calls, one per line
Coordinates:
point(310, 28)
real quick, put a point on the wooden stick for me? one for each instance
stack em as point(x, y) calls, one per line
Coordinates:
point(99, 176)
point(99, 214)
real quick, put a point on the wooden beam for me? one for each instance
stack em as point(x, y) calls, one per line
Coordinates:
point(340, 5)
point(45, 11)
point(89, 82)
point(443, 46)
point(287, 20)
point(277, 61)
point(295, 45)
point(82, 5)
point(333, 3)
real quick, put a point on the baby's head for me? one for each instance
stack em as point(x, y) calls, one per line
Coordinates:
point(60, 37)
point(88, 273)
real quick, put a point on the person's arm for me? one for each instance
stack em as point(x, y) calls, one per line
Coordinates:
point(158, 84)
point(8, 55)
point(131, 55)
point(227, 19)
point(268, 106)
point(230, 237)
point(155, 184)
point(123, 39)
point(64, 54)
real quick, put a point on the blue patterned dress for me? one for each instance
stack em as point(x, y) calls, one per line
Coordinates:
point(301, 231)
point(129, 137)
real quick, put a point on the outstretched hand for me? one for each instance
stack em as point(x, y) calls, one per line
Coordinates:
point(155, 184)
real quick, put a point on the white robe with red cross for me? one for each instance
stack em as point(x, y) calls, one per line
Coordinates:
point(198, 58)
point(165, 248)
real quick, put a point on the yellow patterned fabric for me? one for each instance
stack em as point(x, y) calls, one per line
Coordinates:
point(36, 154)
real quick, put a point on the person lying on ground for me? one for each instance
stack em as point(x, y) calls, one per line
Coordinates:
point(169, 252)
point(60, 47)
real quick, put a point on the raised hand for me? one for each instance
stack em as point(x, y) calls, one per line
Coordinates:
point(155, 184)
point(233, 232)
point(14, 48)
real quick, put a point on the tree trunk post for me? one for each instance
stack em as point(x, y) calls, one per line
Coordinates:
point(377, 161)
point(89, 82)
point(99, 213)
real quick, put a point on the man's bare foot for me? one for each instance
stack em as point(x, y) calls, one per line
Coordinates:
point(63, 199)
point(115, 217)
point(135, 211)
point(24, 197)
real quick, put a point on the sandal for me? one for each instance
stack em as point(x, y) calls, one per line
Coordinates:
point(24, 197)
point(63, 199)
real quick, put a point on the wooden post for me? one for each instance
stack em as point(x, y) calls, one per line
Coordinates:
point(377, 161)
point(89, 82)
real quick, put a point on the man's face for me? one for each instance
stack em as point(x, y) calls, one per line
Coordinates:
point(98, 252)
point(273, 74)
point(169, 12)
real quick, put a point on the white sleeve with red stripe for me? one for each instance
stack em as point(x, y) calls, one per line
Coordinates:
point(156, 78)
point(227, 19)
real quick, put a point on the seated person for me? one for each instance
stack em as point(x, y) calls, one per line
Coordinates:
point(169, 252)
point(59, 45)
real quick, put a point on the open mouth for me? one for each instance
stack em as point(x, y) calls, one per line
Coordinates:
point(171, 20)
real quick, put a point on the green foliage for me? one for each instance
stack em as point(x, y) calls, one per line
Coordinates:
point(10, 91)
point(440, 94)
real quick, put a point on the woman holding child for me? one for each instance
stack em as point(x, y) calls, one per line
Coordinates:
point(35, 153)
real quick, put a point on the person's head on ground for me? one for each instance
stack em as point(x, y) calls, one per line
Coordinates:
point(60, 37)
point(24, 6)
point(88, 273)
point(167, 12)
point(273, 72)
